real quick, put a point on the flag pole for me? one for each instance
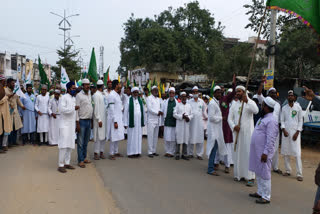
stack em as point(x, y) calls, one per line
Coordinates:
point(249, 74)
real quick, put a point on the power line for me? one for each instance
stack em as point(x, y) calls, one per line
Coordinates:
point(25, 43)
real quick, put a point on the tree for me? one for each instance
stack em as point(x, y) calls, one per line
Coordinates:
point(186, 38)
point(67, 60)
point(297, 53)
point(256, 10)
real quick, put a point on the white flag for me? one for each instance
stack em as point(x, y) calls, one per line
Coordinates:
point(23, 75)
point(28, 80)
point(64, 78)
point(17, 90)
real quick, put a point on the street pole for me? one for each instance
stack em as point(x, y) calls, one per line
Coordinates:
point(64, 28)
point(271, 63)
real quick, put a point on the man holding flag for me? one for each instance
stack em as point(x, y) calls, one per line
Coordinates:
point(14, 101)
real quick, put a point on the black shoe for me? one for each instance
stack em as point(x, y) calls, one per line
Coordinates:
point(254, 195)
point(262, 201)
point(150, 156)
point(184, 157)
point(177, 157)
point(155, 154)
point(2, 151)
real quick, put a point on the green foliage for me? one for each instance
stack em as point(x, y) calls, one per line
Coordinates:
point(68, 61)
point(296, 54)
point(186, 38)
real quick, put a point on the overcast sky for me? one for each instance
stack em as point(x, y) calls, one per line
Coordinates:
point(29, 29)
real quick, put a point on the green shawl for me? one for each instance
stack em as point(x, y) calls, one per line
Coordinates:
point(131, 112)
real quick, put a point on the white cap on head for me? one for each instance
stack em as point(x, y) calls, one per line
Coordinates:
point(191, 95)
point(172, 89)
point(255, 96)
point(230, 90)
point(195, 88)
point(154, 87)
point(100, 82)
point(290, 92)
point(57, 91)
point(241, 88)
point(272, 89)
point(216, 88)
point(85, 81)
point(44, 87)
point(183, 93)
point(269, 102)
point(134, 89)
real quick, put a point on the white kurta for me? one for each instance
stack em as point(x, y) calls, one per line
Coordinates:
point(145, 128)
point(292, 121)
point(67, 122)
point(54, 124)
point(241, 159)
point(115, 116)
point(134, 146)
point(196, 124)
point(41, 105)
point(169, 132)
point(182, 127)
point(215, 132)
point(154, 106)
point(99, 115)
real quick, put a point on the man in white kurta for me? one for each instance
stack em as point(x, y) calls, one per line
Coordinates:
point(241, 159)
point(115, 128)
point(169, 124)
point(183, 113)
point(133, 122)
point(272, 92)
point(41, 107)
point(291, 125)
point(66, 143)
point(154, 113)
point(99, 122)
point(54, 113)
point(215, 140)
point(196, 124)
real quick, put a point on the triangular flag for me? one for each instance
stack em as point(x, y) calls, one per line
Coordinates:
point(106, 77)
point(43, 76)
point(92, 73)
point(28, 80)
point(119, 80)
point(64, 78)
point(17, 90)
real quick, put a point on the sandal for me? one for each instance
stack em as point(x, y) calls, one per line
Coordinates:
point(111, 157)
point(255, 195)
point(213, 173)
point(278, 171)
point(87, 161)
point(262, 201)
point(81, 165)
point(286, 174)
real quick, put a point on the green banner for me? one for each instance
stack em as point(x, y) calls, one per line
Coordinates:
point(308, 11)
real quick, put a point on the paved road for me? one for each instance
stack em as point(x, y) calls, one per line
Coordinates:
point(163, 185)
point(30, 184)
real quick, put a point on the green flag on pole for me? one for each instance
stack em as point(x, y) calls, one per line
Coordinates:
point(106, 77)
point(43, 76)
point(128, 82)
point(92, 73)
point(211, 89)
point(308, 11)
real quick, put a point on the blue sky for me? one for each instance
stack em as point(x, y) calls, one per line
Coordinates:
point(28, 27)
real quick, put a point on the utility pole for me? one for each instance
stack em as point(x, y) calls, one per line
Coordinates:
point(101, 64)
point(271, 63)
point(64, 28)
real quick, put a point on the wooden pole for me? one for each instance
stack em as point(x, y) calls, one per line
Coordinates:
point(249, 74)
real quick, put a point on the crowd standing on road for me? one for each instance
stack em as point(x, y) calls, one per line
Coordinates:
point(72, 116)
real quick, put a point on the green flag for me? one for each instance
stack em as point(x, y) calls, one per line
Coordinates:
point(128, 82)
point(43, 76)
point(134, 83)
point(211, 89)
point(92, 73)
point(308, 11)
point(106, 77)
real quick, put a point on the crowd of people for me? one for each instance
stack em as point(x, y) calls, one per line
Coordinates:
point(242, 130)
